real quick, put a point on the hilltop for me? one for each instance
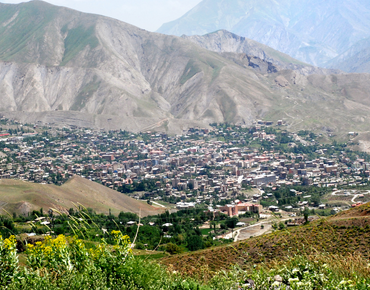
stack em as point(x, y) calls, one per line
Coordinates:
point(335, 235)
point(22, 197)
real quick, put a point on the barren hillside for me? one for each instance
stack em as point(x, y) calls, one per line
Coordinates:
point(22, 197)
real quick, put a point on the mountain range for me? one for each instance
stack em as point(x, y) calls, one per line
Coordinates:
point(332, 33)
point(62, 66)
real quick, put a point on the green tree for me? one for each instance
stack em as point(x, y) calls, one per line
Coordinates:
point(194, 243)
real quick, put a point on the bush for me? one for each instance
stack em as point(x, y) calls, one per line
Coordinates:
point(173, 249)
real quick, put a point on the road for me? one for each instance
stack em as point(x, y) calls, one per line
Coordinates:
point(156, 203)
point(253, 230)
point(339, 193)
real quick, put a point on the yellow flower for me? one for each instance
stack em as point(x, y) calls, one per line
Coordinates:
point(10, 243)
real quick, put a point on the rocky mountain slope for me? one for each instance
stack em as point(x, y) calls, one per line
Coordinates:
point(259, 55)
point(312, 31)
point(355, 59)
point(65, 67)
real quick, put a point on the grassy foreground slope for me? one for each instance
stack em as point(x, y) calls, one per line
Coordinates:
point(343, 234)
point(22, 197)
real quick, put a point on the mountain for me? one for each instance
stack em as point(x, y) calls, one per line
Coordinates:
point(64, 67)
point(23, 197)
point(355, 59)
point(312, 31)
point(258, 55)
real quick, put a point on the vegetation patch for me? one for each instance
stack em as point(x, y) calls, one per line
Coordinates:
point(191, 69)
point(325, 236)
point(24, 28)
point(76, 41)
point(216, 67)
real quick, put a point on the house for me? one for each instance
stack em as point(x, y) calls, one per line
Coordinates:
point(167, 225)
point(273, 208)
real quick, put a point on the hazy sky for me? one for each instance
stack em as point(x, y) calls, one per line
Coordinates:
point(147, 14)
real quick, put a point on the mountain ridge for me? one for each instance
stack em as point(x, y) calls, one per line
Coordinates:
point(311, 31)
point(223, 41)
point(72, 68)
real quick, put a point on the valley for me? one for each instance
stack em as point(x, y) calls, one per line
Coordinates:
point(228, 150)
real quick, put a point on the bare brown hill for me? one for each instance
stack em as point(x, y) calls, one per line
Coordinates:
point(22, 197)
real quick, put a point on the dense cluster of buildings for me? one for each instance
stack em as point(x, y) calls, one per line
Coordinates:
point(200, 166)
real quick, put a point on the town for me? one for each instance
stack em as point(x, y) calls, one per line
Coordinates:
point(225, 168)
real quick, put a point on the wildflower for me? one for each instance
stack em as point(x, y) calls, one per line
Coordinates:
point(10, 243)
point(293, 280)
point(345, 282)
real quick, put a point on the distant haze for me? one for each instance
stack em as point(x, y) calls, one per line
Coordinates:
point(146, 14)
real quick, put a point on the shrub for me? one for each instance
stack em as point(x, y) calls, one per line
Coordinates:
point(173, 249)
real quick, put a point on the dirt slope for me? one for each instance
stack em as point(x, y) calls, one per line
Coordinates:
point(22, 197)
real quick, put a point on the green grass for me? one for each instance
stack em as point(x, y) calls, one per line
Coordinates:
point(191, 69)
point(77, 40)
point(155, 256)
point(25, 28)
point(30, 26)
point(206, 231)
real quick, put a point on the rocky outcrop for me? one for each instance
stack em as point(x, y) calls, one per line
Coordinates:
point(259, 56)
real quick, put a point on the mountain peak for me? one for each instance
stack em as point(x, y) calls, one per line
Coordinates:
point(311, 31)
